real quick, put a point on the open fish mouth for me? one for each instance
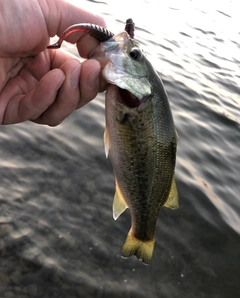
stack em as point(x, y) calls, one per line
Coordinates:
point(126, 98)
point(129, 101)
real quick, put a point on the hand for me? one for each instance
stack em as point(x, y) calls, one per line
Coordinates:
point(37, 84)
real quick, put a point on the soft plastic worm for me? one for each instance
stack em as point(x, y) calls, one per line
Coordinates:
point(100, 33)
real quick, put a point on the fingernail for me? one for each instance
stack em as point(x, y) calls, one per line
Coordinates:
point(93, 79)
point(74, 78)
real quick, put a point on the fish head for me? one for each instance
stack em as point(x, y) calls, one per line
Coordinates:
point(125, 65)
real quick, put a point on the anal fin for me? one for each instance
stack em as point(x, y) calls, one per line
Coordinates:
point(119, 204)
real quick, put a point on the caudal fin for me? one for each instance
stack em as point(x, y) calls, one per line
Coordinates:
point(143, 250)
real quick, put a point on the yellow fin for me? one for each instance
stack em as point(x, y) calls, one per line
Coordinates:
point(143, 250)
point(172, 201)
point(119, 204)
point(106, 142)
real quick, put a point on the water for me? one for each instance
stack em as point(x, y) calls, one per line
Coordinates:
point(58, 237)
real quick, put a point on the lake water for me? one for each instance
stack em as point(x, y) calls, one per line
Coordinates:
point(57, 235)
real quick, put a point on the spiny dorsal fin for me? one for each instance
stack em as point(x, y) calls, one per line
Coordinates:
point(106, 142)
point(172, 201)
point(119, 204)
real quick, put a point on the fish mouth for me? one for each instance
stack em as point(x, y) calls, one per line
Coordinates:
point(124, 97)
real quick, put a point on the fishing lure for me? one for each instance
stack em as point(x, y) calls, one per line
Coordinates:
point(98, 32)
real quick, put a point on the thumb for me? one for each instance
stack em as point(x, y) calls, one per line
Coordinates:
point(60, 14)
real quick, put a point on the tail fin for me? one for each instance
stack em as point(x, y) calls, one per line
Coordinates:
point(143, 250)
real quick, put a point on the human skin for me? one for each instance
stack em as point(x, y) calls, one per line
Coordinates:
point(39, 84)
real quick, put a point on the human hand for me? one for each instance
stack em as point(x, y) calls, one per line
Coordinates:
point(37, 84)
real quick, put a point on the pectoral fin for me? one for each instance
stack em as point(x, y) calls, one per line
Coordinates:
point(106, 142)
point(119, 204)
point(172, 201)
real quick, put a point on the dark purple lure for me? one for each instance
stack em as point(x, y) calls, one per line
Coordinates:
point(98, 32)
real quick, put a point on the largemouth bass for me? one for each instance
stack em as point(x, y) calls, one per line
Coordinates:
point(140, 139)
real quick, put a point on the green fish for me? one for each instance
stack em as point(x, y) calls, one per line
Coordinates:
point(140, 139)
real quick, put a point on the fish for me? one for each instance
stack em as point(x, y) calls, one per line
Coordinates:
point(140, 136)
point(140, 139)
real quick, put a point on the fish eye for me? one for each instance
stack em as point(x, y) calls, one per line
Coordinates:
point(135, 54)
